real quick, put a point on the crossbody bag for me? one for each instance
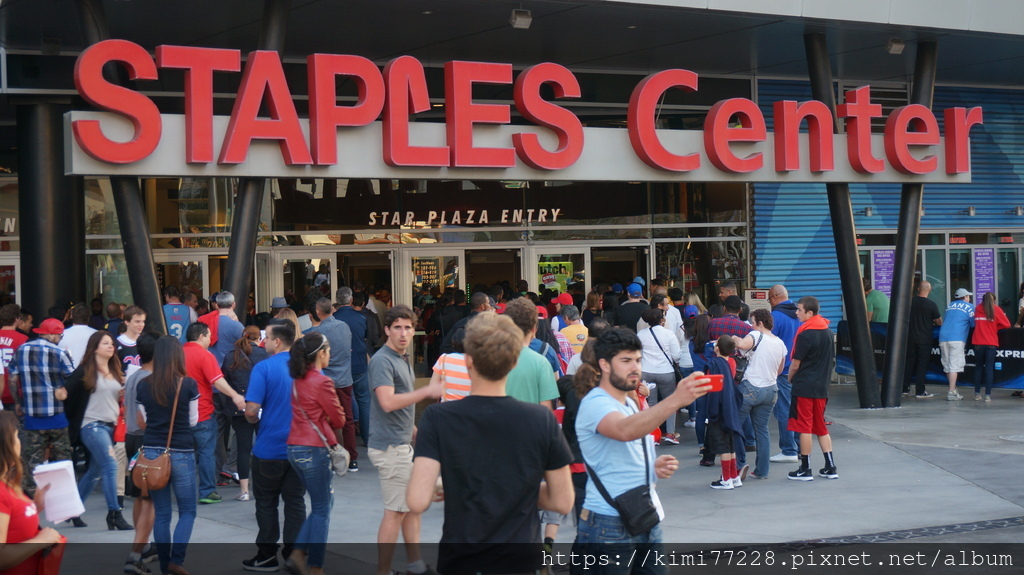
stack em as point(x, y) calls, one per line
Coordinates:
point(153, 474)
point(338, 454)
point(675, 365)
point(636, 506)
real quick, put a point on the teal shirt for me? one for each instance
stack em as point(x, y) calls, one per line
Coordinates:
point(531, 380)
point(879, 304)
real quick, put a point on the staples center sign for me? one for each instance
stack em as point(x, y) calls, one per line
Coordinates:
point(375, 137)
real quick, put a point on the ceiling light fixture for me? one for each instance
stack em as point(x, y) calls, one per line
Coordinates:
point(895, 46)
point(521, 19)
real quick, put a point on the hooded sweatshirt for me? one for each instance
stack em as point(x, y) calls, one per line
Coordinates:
point(786, 324)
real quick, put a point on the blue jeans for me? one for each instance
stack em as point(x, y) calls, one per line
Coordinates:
point(605, 536)
point(361, 406)
point(183, 484)
point(758, 403)
point(984, 367)
point(205, 436)
point(98, 438)
point(313, 465)
point(787, 439)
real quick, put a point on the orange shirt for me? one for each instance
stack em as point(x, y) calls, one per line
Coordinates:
point(454, 376)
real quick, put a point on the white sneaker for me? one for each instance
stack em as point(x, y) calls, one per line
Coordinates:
point(783, 458)
point(737, 482)
point(953, 396)
point(722, 484)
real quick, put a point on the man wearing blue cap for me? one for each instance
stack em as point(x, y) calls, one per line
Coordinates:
point(629, 313)
point(956, 325)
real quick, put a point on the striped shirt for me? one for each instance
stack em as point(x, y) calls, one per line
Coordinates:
point(454, 376)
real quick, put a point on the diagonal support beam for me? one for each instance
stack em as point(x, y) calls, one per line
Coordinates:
point(911, 199)
point(841, 212)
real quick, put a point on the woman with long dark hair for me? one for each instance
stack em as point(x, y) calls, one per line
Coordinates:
point(237, 368)
point(317, 418)
point(93, 406)
point(21, 540)
point(988, 320)
point(156, 397)
point(609, 306)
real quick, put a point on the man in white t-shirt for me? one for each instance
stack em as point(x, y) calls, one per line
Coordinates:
point(767, 357)
point(77, 336)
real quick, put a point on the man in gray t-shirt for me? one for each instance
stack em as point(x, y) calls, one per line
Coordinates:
point(392, 409)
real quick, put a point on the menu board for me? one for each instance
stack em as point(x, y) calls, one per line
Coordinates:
point(984, 271)
point(882, 264)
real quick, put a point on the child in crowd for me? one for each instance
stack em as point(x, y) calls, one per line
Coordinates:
point(723, 409)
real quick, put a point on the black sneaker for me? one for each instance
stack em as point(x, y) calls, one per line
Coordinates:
point(149, 553)
point(136, 568)
point(828, 473)
point(260, 563)
point(802, 475)
point(353, 466)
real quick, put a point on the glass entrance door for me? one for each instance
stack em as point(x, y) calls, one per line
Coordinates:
point(10, 277)
point(304, 277)
point(428, 269)
point(555, 268)
point(188, 272)
point(490, 267)
point(621, 264)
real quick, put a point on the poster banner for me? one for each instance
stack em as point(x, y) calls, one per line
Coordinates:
point(1009, 372)
point(883, 262)
point(757, 299)
point(984, 271)
point(554, 275)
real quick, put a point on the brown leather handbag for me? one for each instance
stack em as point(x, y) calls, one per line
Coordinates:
point(153, 474)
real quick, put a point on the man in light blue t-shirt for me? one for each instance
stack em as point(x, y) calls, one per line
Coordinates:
point(956, 325)
point(614, 439)
point(268, 402)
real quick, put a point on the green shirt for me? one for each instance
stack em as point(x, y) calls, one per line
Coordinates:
point(879, 304)
point(531, 380)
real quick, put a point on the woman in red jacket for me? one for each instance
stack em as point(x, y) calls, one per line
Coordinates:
point(317, 418)
point(988, 320)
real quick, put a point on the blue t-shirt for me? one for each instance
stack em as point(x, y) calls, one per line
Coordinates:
point(228, 332)
point(957, 322)
point(270, 385)
point(177, 316)
point(619, 464)
point(59, 421)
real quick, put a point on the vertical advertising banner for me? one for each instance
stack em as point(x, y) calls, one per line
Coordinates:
point(984, 271)
point(882, 264)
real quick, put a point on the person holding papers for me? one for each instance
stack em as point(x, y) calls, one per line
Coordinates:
point(21, 540)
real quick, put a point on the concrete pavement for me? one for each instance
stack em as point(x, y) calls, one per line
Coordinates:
point(930, 471)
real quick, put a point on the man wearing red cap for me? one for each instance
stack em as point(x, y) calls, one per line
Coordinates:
point(37, 374)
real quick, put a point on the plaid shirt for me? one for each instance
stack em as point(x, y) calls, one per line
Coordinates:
point(728, 324)
point(41, 368)
point(564, 346)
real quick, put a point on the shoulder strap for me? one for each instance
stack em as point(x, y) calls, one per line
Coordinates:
point(600, 486)
point(758, 342)
point(661, 348)
point(174, 413)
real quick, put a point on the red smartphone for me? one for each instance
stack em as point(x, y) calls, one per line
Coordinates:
point(717, 381)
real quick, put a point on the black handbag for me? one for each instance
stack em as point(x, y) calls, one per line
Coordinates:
point(675, 365)
point(635, 506)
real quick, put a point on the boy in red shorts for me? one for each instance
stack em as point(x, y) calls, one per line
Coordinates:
point(810, 373)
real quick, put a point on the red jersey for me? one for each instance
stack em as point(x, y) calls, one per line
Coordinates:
point(201, 366)
point(10, 340)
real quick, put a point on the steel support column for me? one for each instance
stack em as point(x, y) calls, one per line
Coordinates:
point(51, 207)
point(841, 212)
point(906, 244)
point(131, 213)
point(245, 221)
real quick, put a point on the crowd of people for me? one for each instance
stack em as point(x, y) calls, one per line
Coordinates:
point(588, 395)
